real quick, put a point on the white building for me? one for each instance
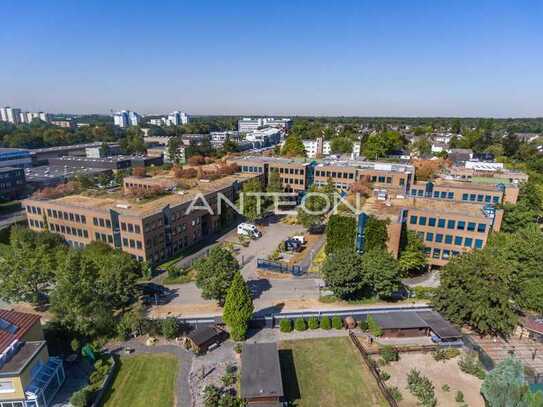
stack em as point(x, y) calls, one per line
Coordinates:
point(126, 118)
point(10, 115)
point(158, 122)
point(248, 124)
point(28, 117)
point(177, 119)
point(264, 137)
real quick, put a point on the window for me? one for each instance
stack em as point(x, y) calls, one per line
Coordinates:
point(85, 233)
point(436, 253)
point(471, 226)
point(468, 242)
point(451, 224)
point(458, 240)
point(478, 244)
point(83, 219)
point(450, 195)
point(123, 226)
point(431, 222)
point(108, 223)
point(429, 237)
point(472, 197)
point(109, 239)
point(97, 235)
point(422, 220)
point(389, 180)
point(130, 228)
point(95, 221)
point(439, 237)
point(6, 386)
point(480, 198)
point(413, 220)
point(461, 225)
point(125, 242)
point(420, 192)
point(441, 223)
point(138, 244)
point(381, 179)
point(101, 221)
point(481, 227)
point(496, 199)
point(488, 198)
point(436, 194)
point(137, 228)
point(446, 254)
point(132, 243)
point(448, 239)
point(48, 212)
point(72, 219)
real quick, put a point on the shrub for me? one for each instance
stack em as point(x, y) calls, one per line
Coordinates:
point(459, 398)
point(373, 327)
point(389, 354)
point(445, 388)
point(395, 393)
point(325, 323)
point(363, 324)
point(469, 363)
point(445, 354)
point(81, 398)
point(238, 348)
point(75, 345)
point(300, 324)
point(422, 388)
point(169, 328)
point(285, 325)
point(313, 323)
point(337, 323)
point(385, 376)
point(228, 379)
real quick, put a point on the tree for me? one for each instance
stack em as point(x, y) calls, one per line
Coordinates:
point(340, 233)
point(341, 145)
point(379, 145)
point(274, 182)
point(238, 308)
point(173, 150)
point(314, 204)
point(375, 234)
point(252, 205)
point(412, 259)
point(423, 146)
point(216, 273)
point(382, 271)
point(28, 264)
point(293, 147)
point(475, 290)
point(344, 274)
point(506, 386)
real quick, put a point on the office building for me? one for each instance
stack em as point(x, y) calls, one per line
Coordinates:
point(12, 183)
point(66, 123)
point(248, 124)
point(113, 163)
point(102, 151)
point(264, 137)
point(29, 377)
point(15, 157)
point(152, 230)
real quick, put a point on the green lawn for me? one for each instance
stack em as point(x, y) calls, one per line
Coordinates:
point(143, 381)
point(327, 372)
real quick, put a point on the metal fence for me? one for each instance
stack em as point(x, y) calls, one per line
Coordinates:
point(374, 371)
point(280, 267)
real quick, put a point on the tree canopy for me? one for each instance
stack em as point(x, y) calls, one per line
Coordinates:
point(216, 273)
point(293, 147)
point(238, 308)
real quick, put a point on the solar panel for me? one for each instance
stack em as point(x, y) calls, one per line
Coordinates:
point(7, 326)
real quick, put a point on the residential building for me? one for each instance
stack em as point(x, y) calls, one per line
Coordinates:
point(447, 228)
point(15, 157)
point(12, 183)
point(177, 119)
point(126, 118)
point(153, 229)
point(10, 115)
point(29, 377)
point(65, 123)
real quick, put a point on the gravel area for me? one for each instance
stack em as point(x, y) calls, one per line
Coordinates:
point(274, 335)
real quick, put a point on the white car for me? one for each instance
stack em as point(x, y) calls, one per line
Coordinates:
point(248, 229)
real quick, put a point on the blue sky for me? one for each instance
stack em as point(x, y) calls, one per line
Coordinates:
point(406, 58)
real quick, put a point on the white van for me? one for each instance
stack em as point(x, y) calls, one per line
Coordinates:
point(299, 238)
point(248, 229)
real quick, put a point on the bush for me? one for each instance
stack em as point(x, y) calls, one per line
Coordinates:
point(422, 388)
point(363, 324)
point(325, 323)
point(169, 328)
point(389, 354)
point(300, 324)
point(81, 398)
point(75, 345)
point(446, 388)
point(445, 353)
point(313, 323)
point(337, 323)
point(469, 363)
point(238, 347)
point(285, 325)
point(395, 393)
point(373, 327)
point(385, 376)
point(459, 398)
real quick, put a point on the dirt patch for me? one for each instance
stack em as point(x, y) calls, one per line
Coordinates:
point(440, 373)
point(273, 276)
point(171, 310)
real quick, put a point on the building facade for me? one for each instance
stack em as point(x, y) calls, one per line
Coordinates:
point(15, 157)
point(12, 183)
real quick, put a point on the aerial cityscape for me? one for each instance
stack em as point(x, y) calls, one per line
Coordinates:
point(314, 205)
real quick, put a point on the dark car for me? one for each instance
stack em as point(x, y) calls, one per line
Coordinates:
point(293, 245)
point(152, 289)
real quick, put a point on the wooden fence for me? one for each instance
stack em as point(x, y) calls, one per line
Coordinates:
point(374, 371)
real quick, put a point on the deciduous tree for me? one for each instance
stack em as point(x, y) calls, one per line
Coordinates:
point(216, 273)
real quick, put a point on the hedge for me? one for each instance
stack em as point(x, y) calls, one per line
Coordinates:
point(313, 323)
point(285, 325)
point(300, 324)
point(337, 323)
point(325, 323)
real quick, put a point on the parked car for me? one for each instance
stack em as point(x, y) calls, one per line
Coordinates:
point(152, 289)
point(299, 238)
point(293, 245)
point(248, 229)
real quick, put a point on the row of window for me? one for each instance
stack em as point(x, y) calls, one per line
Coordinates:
point(437, 253)
point(102, 237)
point(130, 228)
point(133, 244)
point(333, 174)
point(465, 196)
point(292, 171)
point(450, 223)
point(33, 209)
point(68, 230)
point(72, 217)
point(292, 181)
point(104, 223)
point(36, 223)
point(450, 239)
point(436, 194)
point(248, 168)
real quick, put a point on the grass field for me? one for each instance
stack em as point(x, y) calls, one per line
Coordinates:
point(144, 381)
point(328, 373)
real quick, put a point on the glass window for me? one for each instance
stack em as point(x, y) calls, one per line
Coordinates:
point(461, 225)
point(101, 221)
point(137, 228)
point(478, 244)
point(471, 226)
point(441, 223)
point(448, 239)
point(496, 199)
point(429, 237)
point(413, 220)
point(468, 242)
point(488, 198)
point(436, 253)
point(420, 192)
point(431, 221)
point(451, 224)
point(443, 194)
point(481, 227)
point(389, 180)
point(472, 197)
point(450, 195)
point(465, 197)
point(439, 237)
point(480, 198)
point(436, 194)
point(130, 227)
point(458, 240)
point(108, 223)
point(446, 254)
point(422, 220)
point(125, 241)
point(123, 226)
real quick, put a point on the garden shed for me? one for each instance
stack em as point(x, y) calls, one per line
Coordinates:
point(201, 338)
point(261, 383)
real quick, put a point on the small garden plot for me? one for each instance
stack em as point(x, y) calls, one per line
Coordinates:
point(445, 375)
point(143, 381)
point(328, 373)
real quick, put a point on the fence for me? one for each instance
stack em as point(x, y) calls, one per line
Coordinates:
point(374, 371)
point(279, 267)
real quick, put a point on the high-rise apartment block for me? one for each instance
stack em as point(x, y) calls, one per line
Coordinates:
point(126, 118)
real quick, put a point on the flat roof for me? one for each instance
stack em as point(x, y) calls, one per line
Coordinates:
point(46, 172)
point(9, 169)
point(451, 184)
point(130, 207)
point(260, 371)
point(439, 325)
point(20, 359)
point(417, 320)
